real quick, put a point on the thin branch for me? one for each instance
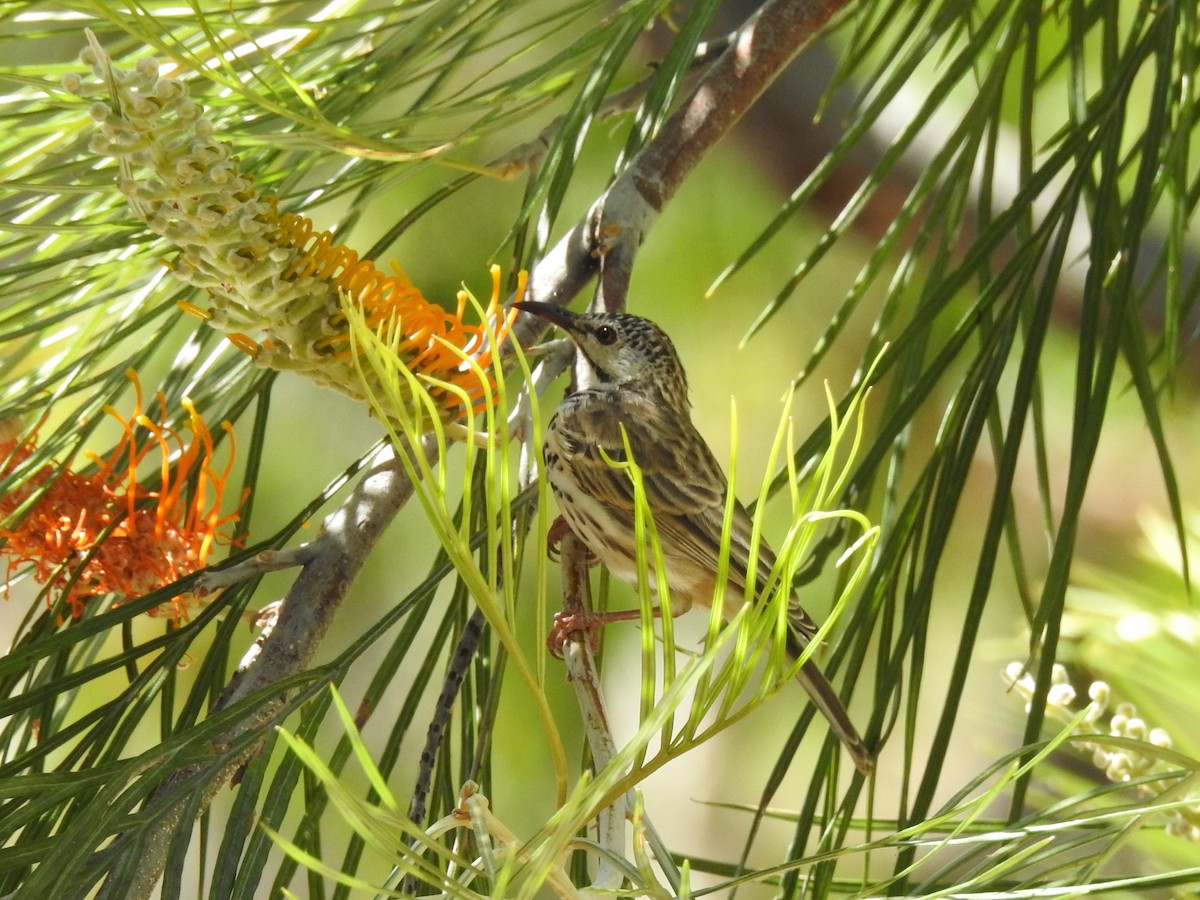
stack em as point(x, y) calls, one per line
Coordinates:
point(607, 238)
point(456, 673)
point(585, 679)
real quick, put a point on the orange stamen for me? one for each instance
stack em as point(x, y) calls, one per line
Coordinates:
point(95, 533)
point(245, 343)
point(193, 310)
point(433, 339)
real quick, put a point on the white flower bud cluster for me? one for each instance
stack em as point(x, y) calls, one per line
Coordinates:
point(188, 187)
point(1119, 764)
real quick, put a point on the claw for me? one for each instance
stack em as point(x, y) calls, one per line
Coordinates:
point(568, 625)
point(572, 626)
point(558, 530)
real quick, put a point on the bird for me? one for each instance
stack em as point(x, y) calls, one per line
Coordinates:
point(630, 387)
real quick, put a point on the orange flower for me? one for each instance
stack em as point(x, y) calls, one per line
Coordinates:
point(276, 284)
point(104, 532)
point(434, 340)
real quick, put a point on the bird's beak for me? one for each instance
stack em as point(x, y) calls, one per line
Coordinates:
point(563, 318)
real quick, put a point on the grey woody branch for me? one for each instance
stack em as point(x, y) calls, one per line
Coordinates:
point(605, 243)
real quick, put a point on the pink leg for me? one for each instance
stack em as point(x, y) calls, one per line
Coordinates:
point(566, 625)
point(558, 530)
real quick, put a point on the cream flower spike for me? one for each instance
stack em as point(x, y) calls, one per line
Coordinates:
point(276, 284)
point(1119, 763)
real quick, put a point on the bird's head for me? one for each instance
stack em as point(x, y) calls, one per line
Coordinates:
point(618, 351)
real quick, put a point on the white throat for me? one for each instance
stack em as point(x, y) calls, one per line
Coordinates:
point(585, 374)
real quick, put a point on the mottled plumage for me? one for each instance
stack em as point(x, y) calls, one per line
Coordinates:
point(628, 376)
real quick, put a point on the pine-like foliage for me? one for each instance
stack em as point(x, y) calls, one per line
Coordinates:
point(988, 252)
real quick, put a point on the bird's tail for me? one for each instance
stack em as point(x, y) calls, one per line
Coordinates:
point(825, 698)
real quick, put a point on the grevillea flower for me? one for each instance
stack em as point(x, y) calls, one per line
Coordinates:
point(269, 274)
point(1119, 762)
point(104, 532)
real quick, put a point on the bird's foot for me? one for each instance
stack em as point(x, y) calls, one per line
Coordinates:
point(568, 625)
point(574, 626)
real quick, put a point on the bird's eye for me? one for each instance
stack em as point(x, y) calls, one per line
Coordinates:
point(606, 334)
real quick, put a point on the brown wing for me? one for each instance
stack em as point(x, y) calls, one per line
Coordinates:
point(681, 476)
point(684, 484)
point(686, 488)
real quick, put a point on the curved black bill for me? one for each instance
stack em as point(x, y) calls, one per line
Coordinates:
point(563, 318)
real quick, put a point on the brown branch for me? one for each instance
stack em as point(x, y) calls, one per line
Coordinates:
point(585, 679)
point(762, 48)
point(610, 235)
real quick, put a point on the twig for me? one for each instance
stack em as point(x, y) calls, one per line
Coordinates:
point(456, 671)
point(585, 679)
point(268, 561)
